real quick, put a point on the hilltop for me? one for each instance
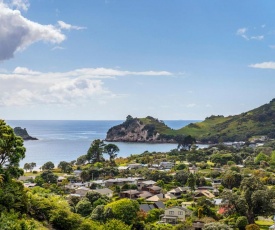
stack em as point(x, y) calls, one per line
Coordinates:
point(257, 122)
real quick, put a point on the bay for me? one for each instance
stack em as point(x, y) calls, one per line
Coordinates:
point(66, 140)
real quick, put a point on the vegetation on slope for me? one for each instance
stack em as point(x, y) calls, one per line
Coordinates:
point(214, 129)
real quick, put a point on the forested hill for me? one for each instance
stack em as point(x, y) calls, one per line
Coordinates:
point(214, 129)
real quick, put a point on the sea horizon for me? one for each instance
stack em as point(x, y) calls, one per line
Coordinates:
point(66, 140)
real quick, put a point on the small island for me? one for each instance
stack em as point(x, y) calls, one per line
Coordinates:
point(22, 132)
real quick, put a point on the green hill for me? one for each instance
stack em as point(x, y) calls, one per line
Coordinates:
point(214, 129)
point(242, 127)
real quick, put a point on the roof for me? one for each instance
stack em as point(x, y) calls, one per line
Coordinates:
point(148, 182)
point(103, 191)
point(159, 204)
point(131, 192)
point(179, 207)
point(205, 193)
point(155, 188)
point(145, 207)
point(145, 194)
point(160, 197)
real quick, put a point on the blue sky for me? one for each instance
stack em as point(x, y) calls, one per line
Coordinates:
point(105, 59)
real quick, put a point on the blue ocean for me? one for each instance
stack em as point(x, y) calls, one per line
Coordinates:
point(64, 140)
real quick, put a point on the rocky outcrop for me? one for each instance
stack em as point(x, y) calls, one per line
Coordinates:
point(23, 133)
point(139, 130)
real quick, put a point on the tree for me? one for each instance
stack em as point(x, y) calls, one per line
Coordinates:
point(231, 179)
point(48, 166)
point(261, 157)
point(47, 177)
point(81, 160)
point(191, 181)
point(84, 207)
point(254, 200)
point(124, 210)
point(241, 222)
point(95, 152)
point(185, 142)
point(27, 166)
point(65, 167)
point(181, 177)
point(84, 175)
point(115, 225)
point(12, 151)
point(32, 165)
point(111, 150)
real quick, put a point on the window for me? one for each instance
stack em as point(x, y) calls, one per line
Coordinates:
point(180, 213)
point(171, 212)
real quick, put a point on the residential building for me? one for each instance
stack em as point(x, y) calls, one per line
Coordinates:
point(175, 214)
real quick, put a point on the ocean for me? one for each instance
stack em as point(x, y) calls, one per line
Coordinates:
point(64, 140)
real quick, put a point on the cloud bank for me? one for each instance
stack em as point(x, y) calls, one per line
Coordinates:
point(17, 32)
point(27, 87)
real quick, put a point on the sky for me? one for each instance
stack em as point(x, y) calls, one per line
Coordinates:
point(106, 59)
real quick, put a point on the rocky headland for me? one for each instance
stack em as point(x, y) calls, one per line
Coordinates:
point(24, 134)
point(143, 130)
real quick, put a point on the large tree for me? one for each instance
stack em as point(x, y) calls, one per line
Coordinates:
point(111, 150)
point(48, 166)
point(95, 152)
point(12, 151)
point(185, 142)
point(255, 200)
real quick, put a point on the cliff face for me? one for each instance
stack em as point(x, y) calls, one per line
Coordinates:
point(23, 133)
point(138, 130)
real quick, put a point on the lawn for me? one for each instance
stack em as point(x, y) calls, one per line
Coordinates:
point(264, 224)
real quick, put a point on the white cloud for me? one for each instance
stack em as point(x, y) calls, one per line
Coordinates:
point(66, 26)
point(17, 32)
point(243, 32)
point(27, 87)
point(263, 65)
point(260, 37)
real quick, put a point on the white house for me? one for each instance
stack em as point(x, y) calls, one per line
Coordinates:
point(175, 214)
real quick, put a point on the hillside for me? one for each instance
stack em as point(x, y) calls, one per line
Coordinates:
point(214, 129)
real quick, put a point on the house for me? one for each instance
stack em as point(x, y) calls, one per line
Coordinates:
point(203, 193)
point(143, 185)
point(145, 194)
point(175, 214)
point(120, 181)
point(193, 169)
point(177, 192)
point(154, 189)
point(166, 165)
point(104, 191)
point(122, 168)
point(82, 191)
point(134, 166)
point(160, 197)
point(60, 179)
point(131, 194)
